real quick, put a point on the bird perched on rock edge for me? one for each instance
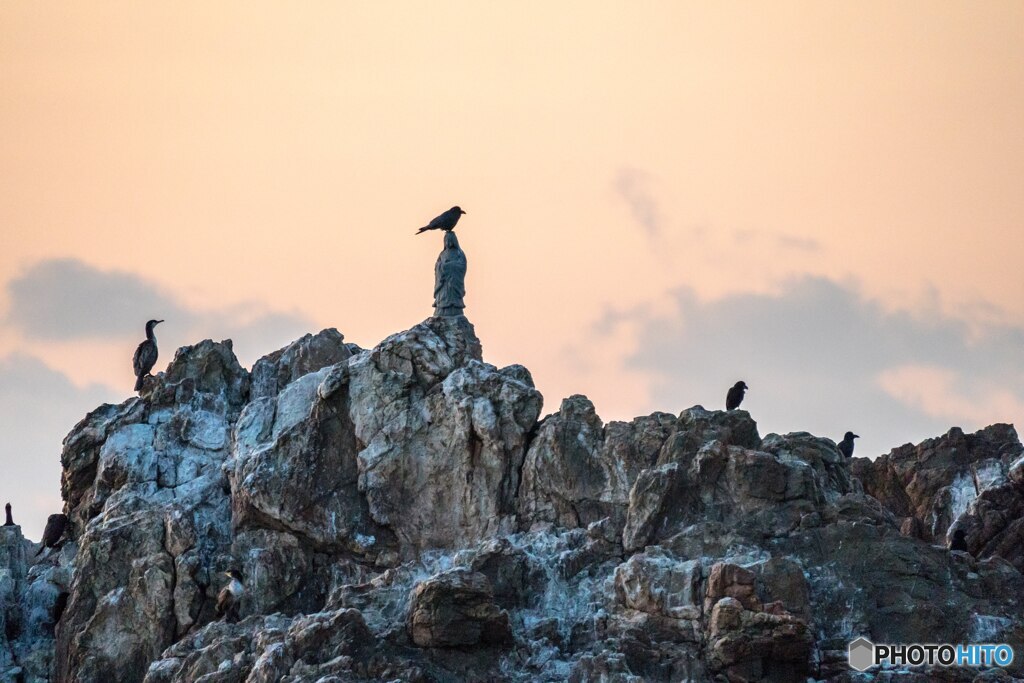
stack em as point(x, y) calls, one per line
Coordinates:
point(145, 355)
point(446, 221)
point(735, 396)
point(10, 519)
point(846, 445)
point(55, 526)
point(230, 597)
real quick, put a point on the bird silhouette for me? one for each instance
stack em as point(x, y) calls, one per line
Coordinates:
point(846, 445)
point(145, 355)
point(734, 398)
point(10, 519)
point(446, 221)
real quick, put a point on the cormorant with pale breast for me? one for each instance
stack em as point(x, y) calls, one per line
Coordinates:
point(10, 519)
point(446, 221)
point(846, 445)
point(230, 597)
point(55, 526)
point(735, 396)
point(145, 355)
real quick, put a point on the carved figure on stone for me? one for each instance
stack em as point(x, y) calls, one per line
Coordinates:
point(450, 279)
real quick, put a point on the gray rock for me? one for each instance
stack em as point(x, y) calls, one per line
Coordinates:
point(457, 609)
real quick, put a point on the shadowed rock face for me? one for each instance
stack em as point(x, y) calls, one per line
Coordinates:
point(930, 485)
point(399, 513)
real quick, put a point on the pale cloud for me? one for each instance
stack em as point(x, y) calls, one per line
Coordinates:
point(821, 357)
point(65, 298)
point(57, 301)
point(949, 395)
point(634, 187)
point(38, 407)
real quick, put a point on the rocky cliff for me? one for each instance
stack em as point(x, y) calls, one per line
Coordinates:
point(403, 513)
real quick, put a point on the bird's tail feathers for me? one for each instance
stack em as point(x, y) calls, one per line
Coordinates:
point(423, 229)
point(41, 549)
point(138, 382)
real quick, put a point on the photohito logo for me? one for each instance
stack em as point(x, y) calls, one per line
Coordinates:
point(863, 654)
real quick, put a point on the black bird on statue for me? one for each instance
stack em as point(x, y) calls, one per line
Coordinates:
point(10, 519)
point(145, 355)
point(846, 445)
point(446, 221)
point(735, 396)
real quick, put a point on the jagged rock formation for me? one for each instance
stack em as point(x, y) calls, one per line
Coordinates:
point(973, 480)
point(399, 513)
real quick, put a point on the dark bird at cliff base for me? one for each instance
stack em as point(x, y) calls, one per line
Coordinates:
point(846, 445)
point(446, 221)
point(145, 355)
point(230, 597)
point(735, 396)
point(10, 519)
point(959, 541)
point(55, 526)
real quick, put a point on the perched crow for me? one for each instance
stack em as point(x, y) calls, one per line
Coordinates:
point(10, 519)
point(959, 541)
point(145, 355)
point(446, 221)
point(55, 526)
point(735, 396)
point(846, 445)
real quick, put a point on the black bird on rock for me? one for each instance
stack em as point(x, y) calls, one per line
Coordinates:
point(446, 221)
point(959, 541)
point(55, 526)
point(846, 445)
point(10, 519)
point(735, 396)
point(230, 597)
point(145, 355)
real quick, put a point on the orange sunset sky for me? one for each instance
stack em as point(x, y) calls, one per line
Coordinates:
point(825, 199)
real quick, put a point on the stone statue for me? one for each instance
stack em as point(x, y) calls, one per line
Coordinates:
point(450, 278)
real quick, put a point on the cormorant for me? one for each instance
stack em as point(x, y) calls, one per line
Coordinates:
point(10, 519)
point(230, 597)
point(145, 355)
point(735, 396)
point(55, 526)
point(959, 541)
point(846, 445)
point(446, 221)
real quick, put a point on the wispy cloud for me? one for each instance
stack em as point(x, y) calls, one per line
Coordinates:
point(633, 186)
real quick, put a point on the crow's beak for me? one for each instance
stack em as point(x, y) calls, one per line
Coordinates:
point(461, 211)
point(159, 321)
point(856, 436)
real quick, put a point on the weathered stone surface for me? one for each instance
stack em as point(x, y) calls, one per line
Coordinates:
point(153, 502)
point(311, 353)
point(399, 514)
point(457, 609)
point(444, 435)
point(935, 481)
